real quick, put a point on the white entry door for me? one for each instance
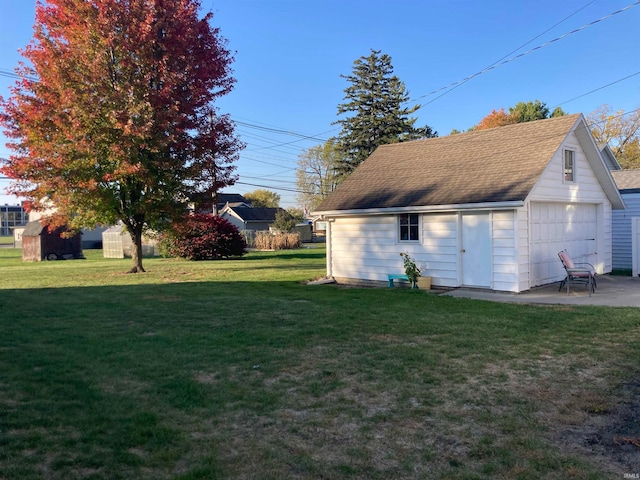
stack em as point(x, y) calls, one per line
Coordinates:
point(476, 250)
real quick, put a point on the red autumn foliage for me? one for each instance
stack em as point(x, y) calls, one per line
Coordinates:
point(203, 237)
point(113, 117)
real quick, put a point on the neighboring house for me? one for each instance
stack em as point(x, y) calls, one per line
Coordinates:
point(248, 218)
point(487, 209)
point(205, 205)
point(38, 243)
point(626, 223)
point(609, 158)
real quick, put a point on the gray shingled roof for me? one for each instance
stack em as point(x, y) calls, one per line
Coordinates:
point(627, 179)
point(263, 214)
point(497, 165)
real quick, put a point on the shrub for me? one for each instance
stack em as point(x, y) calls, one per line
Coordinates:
point(278, 241)
point(202, 237)
point(284, 222)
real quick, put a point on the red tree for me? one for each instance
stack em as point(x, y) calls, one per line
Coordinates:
point(113, 117)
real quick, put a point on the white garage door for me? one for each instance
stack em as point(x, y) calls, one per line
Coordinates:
point(559, 226)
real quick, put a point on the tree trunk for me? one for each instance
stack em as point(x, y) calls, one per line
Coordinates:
point(136, 252)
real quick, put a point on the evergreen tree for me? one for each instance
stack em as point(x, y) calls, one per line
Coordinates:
point(375, 97)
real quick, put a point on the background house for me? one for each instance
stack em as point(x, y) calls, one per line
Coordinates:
point(626, 223)
point(204, 204)
point(248, 218)
point(487, 209)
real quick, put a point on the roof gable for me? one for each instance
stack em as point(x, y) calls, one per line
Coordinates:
point(250, 214)
point(488, 166)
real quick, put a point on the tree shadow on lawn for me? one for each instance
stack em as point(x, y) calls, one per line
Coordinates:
point(284, 255)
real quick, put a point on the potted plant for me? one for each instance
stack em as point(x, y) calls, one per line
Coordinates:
point(411, 270)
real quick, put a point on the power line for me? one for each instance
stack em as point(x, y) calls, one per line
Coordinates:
point(513, 51)
point(509, 60)
point(599, 88)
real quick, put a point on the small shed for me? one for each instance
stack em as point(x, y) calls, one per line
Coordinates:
point(117, 243)
point(38, 243)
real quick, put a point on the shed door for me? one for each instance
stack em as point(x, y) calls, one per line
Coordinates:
point(559, 226)
point(476, 250)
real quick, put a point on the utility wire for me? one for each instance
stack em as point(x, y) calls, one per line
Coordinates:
point(509, 60)
point(596, 89)
point(513, 51)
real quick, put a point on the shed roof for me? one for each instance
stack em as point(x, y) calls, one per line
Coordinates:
point(496, 165)
point(33, 229)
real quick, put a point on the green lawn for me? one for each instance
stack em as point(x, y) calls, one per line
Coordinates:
point(237, 369)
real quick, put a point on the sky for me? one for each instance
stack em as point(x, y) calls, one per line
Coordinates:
point(290, 55)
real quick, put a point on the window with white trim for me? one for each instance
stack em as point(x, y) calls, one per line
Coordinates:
point(409, 227)
point(569, 166)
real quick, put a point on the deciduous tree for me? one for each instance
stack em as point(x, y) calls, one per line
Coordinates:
point(375, 97)
point(520, 112)
point(316, 175)
point(621, 131)
point(497, 118)
point(263, 198)
point(113, 117)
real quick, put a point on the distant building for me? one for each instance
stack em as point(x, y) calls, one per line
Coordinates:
point(11, 216)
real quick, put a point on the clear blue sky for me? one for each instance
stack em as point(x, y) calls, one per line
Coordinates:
point(290, 55)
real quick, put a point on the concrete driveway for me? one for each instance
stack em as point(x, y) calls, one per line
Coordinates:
point(612, 291)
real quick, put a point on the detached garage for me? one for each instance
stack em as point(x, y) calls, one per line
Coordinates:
point(488, 209)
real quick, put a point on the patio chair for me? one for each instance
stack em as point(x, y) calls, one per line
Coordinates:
point(577, 273)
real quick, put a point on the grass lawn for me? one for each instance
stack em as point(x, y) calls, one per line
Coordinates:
point(237, 369)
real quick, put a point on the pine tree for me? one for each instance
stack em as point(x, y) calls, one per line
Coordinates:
point(375, 97)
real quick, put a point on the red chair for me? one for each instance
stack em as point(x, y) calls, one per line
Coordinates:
point(581, 273)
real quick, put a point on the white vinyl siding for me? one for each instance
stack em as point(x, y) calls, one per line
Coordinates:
point(523, 250)
point(551, 188)
point(440, 246)
point(621, 229)
point(365, 247)
point(505, 251)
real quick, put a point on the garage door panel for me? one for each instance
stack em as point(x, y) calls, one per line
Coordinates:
point(555, 227)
